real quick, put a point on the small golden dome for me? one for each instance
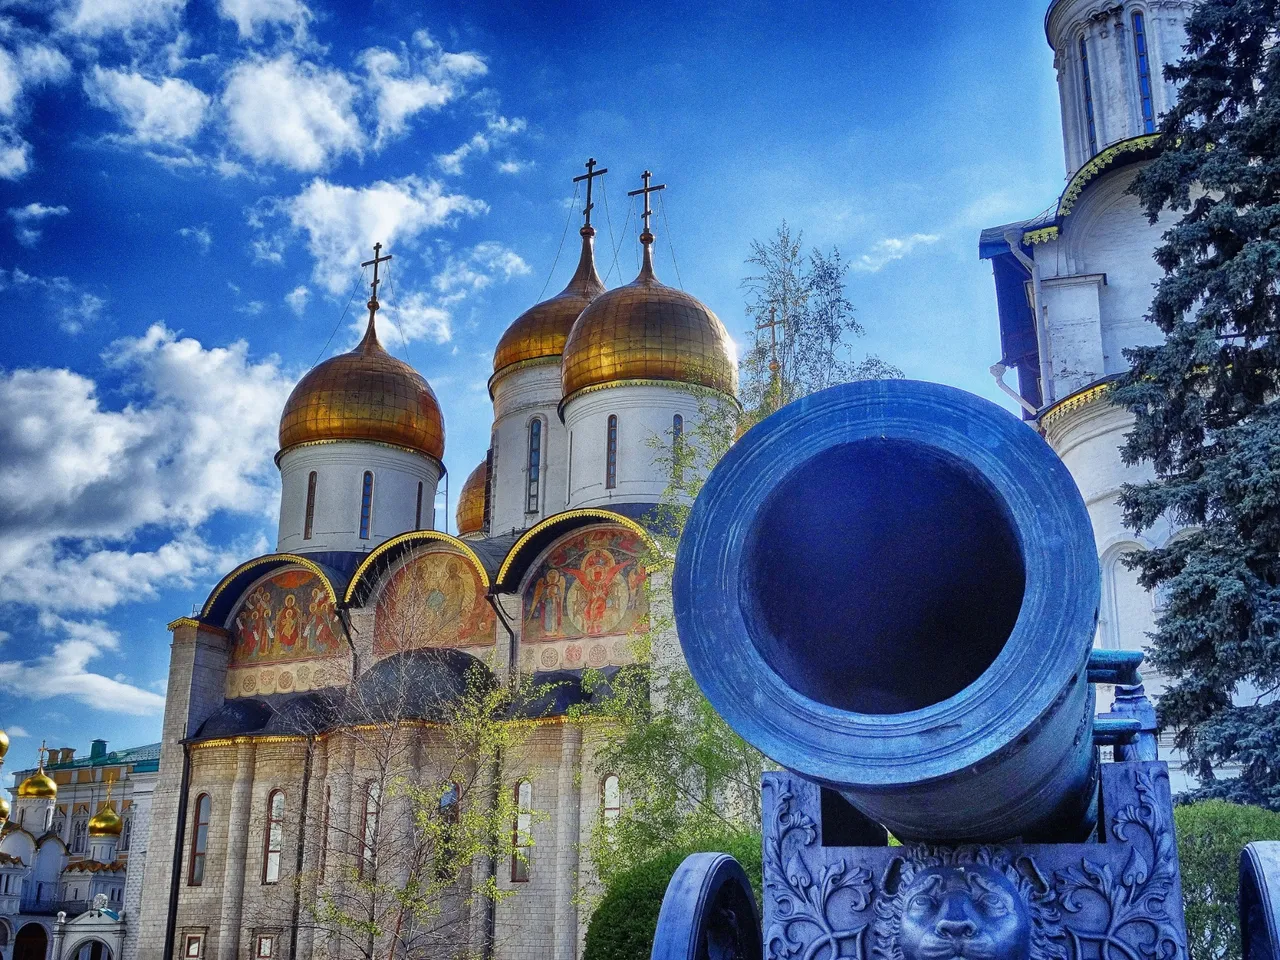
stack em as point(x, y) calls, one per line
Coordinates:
point(4, 808)
point(540, 332)
point(470, 514)
point(39, 785)
point(366, 394)
point(106, 822)
point(648, 331)
point(4, 744)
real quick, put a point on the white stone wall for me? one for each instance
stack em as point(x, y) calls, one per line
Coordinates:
point(520, 396)
point(141, 788)
point(1107, 30)
point(340, 469)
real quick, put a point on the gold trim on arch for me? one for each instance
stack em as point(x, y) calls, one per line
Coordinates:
point(697, 389)
point(592, 513)
point(1098, 164)
point(412, 535)
point(1075, 401)
point(262, 561)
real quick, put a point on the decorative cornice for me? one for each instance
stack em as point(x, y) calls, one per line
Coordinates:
point(1076, 401)
point(425, 535)
point(193, 622)
point(584, 513)
point(259, 739)
point(696, 389)
point(372, 443)
point(260, 561)
point(1098, 164)
point(519, 365)
point(1043, 235)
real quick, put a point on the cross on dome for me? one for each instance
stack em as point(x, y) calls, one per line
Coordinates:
point(373, 298)
point(646, 237)
point(590, 175)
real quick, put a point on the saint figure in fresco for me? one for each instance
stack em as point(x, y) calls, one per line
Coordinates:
point(287, 627)
point(319, 630)
point(548, 602)
point(253, 626)
point(596, 581)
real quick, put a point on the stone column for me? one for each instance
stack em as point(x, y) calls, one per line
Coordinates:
point(238, 816)
point(568, 809)
point(315, 839)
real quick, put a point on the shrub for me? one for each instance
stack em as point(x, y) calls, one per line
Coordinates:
point(624, 922)
point(1210, 837)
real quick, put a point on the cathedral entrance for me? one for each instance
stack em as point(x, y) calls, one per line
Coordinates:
point(93, 950)
point(31, 943)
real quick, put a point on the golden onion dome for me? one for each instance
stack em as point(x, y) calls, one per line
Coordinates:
point(540, 332)
point(106, 822)
point(4, 744)
point(470, 514)
point(4, 808)
point(38, 786)
point(648, 331)
point(366, 394)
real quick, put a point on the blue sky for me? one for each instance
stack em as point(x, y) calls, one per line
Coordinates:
point(187, 187)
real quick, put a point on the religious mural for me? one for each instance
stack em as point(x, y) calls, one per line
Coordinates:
point(588, 587)
point(284, 624)
point(437, 599)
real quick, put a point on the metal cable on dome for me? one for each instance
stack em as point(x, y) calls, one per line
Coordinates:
point(662, 205)
point(359, 283)
point(568, 217)
point(618, 248)
point(608, 219)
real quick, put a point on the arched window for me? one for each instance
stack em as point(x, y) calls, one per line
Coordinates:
point(369, 835)
point(417, 514)
point(610, 798)
point(522, 832)
point(126, 832)
point(677, 448)
point(535, 465)
point(311, 506)
point(1088, 97)
point(366, 505)
point(273, 837)
point(1144, 72)
point(611, 454)
point(79, 830)
point(199, 840)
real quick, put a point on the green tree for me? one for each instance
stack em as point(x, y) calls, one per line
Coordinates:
point(1207, 412)
point(689, 780)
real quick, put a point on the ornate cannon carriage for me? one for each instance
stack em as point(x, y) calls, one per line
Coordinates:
point(891, 589)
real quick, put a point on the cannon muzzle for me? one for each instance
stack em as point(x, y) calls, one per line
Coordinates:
point(891, 588)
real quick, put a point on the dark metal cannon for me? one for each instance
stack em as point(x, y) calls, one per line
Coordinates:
point(891, 589)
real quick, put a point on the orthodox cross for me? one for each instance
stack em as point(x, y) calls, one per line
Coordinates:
point(772, 326)
point(646, 190)
point(590, 175)
point(377, 249)
point(43, 751)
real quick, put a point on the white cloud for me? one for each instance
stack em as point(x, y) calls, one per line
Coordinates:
point(27, 219)
point(412, 317)
point(292, 113)
point(31, 64)
point(885, 251)
point(496, 132)
point(83, 310)
point(342, 223)
point(403, 85)
point(252, 308)
point(62, 671)
point(16, 731)
point(72, 304)
point(169, 111)
point(249, 15)
point(78, 483)
point(200, 236)
point(97, 18)
point(41, 63)
point(15, 154)
point(296, 299)
point(514, 166)
point(477, 269)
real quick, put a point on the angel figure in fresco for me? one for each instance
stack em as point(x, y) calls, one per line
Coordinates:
point(548, 602)
point(253, 626)
point(287, 626)
point(596, 580)
point(318, 632)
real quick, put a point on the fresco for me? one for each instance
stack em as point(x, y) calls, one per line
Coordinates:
point(437, 599)
point(591, 584)
point(283, 636)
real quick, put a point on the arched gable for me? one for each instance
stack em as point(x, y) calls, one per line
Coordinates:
point(534, 541)
point(433, 596)
point(18, 842)
point(388, 555)
point(584, 598)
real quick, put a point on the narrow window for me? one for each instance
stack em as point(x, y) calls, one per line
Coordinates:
point(78, 831)
point(611, 455)
point(199, 840)
point(369, 839)
point(417, 515)
point(273, 838)
point(677, 448)
point(366, 505)
point(1144, 73)
point(266, 946)
point(487, 519)
point(611, 798)
point(568, 473)
point(1088, 98)
point(193, 946)
point(125, 833)
point(311, 506)
point(324, 834)
point(522, 832)
point(535, 460)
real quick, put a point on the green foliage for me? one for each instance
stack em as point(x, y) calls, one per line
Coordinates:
point(1206, 402)
point(623, 925)
point(1210, 837)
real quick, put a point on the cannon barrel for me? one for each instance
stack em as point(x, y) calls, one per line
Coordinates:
point(891, 588)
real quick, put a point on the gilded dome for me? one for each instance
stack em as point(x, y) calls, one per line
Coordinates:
point(4, 808)
point(540, 332)
point(106, 822)
point(470, 514)
point(648, 331)
point(366, 394)
point(38, 786)
point(4, 744)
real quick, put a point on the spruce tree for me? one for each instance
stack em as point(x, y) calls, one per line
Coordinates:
point(1206, 404)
